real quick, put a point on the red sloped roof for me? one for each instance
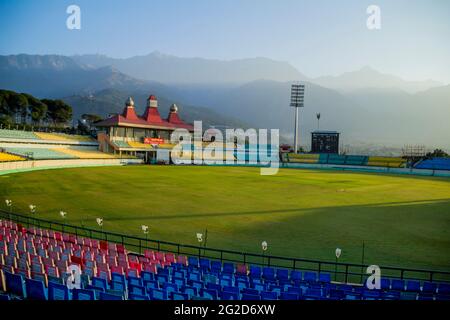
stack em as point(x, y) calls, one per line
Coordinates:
point(152, 115)
point(118, 120)
point(129, 113)
point(174, 118)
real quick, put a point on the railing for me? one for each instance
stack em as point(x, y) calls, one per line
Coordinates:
point(341, 272)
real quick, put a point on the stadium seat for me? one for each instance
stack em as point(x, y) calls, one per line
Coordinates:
point(216, 266)
point(255, 271)
point(444, 289)
point(193, 262)
point(310, 277)
point(99, 283)
point(429, 287)
point(158, 294)
point(250, 297)
point(385, 284)
point(137, 290)
point(137, 297)
point(269, 295)
point(35, 289)
point(209, 293)
point(15, 284)
point(296, 275)
point(289, 296)
point(205, 264)
point(226, 295)
point(228, 268)
point(398, 285)
point(268, 273)
point(57, 291)
point(83, 294)
point(179, 296)
point(283, 274)
point(108, 296)
point(325, 277)
point(413, 286)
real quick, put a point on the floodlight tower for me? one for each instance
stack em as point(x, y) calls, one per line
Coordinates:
point(297, 96)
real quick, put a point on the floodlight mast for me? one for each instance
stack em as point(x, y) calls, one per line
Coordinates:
point(297, 97)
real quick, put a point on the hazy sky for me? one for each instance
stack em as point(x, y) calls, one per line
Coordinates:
point(318, 37)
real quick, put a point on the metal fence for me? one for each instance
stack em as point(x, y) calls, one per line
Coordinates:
point(340, 272)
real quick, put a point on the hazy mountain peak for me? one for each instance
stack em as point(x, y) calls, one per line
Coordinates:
point(161, 67)
point(369, 78)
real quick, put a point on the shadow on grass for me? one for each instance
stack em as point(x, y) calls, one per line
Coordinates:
point(286, 211)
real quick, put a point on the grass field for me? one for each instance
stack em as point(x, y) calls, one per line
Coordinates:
point(403, 220)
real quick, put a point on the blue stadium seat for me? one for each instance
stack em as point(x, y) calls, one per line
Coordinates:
point(385, 284)
point(179, 281)
point(310, 277)
point(108, 296)
point(429, 287)
point(265, 295)
point(118, 286)
point(214, 286)
point(99, 283)
point(191, 291)
point(283, 274)
point(225, 282)
point(230, 295)
point(134, 281)
point(137, 290)
point(170, 287)
point(231, 289)
point(228, 268)
point(413, 286)
point(194, 276)
point(246, 296)
point(83, 294)
point(118, 277)
point(216, 266)
point(158, 294)
point(58, 291)
point(289, 296)
point(151, 284)
point(209, 293)
point(193, 262)
point(268, 273)
point(398, 285)
point(205, 264)
point(249, 291)
point(371, 294)
point(15, 284)
point(255, 271)
point(425, 297)
point(137, 297)
point(444, 289)
point(296, 275)
point(324, 277)
point(179, 296)
point(36, 289)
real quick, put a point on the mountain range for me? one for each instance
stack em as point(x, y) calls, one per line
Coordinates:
point(365, 105)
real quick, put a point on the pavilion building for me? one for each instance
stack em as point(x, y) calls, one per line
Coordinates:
point(146, 136)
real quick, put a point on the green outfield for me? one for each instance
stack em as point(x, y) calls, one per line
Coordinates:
point(403, 220)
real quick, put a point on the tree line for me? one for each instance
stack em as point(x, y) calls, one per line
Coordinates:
point(24, 109)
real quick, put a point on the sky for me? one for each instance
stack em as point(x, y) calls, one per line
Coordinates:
point(318, 37)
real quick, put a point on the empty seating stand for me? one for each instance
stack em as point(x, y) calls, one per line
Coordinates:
point(434, 164)
point(34, 264)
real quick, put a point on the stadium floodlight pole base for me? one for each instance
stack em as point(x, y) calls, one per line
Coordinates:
point(296, 131)
point(335, 270)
